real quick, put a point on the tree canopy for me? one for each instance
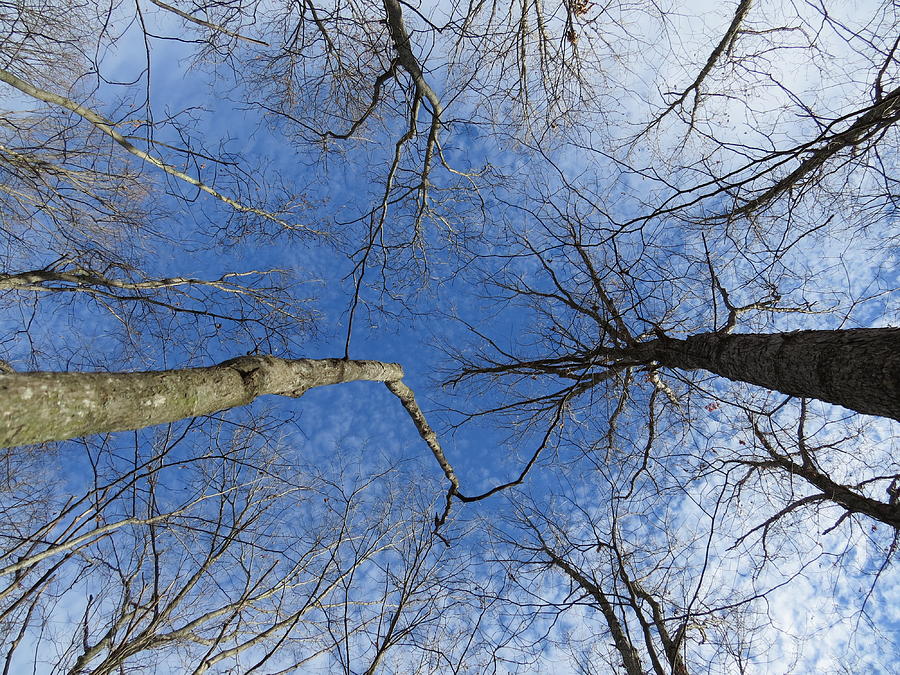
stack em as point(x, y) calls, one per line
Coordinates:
point(627, 270)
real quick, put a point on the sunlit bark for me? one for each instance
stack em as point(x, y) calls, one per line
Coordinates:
point(38, 407)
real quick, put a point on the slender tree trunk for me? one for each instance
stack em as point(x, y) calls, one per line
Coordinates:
point(38, 407)
point(858, 368)
point(621, 640)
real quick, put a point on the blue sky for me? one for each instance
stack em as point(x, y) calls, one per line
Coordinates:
point(341, 436)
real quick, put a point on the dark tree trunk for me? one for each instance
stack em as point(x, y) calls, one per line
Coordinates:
point(858, 368)
point(621, 640)
point(38, 407)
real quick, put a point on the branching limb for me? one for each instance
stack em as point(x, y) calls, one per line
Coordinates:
point(405, 394)
point(107, 127)
point(671, 646)
point(423, 90)
point(846, 496)
point(724, 46)
point(734, 311)
point(376, 98)
point(206, 24)
point(267, 306)
point(620, 636)
point(869, 124)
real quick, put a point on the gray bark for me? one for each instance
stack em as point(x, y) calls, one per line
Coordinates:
point(858, 368)
point(41, 406)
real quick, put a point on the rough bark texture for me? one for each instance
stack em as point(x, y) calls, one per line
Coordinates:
point(38, 407)
point(858, 369)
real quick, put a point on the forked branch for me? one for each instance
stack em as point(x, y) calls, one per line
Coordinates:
point(107, 127)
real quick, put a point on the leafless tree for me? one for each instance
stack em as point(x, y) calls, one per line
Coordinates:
point(82, 198)
point(234, 558)
point(641, 206)
point(621, 584)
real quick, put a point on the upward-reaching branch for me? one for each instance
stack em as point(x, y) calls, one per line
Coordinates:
point(870, 123)
point(409, 63)
point(108, 127)
point(724, 46)
point(626, 649)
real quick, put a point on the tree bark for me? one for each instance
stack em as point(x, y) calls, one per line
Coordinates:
point(38, 407)
point(858, 368)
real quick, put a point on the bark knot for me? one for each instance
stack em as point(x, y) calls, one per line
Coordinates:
point(250, 368)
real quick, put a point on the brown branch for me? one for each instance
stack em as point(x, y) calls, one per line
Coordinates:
point(877, 118)
point(620, 637)
point(845, 496)
point(724, 45)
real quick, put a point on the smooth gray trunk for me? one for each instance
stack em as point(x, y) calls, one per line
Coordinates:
point(38, 407)
point(621, 640)
point(858, 368)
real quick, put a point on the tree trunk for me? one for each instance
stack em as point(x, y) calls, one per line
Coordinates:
point(38, 407)
point(858, 368)
point(621, 640)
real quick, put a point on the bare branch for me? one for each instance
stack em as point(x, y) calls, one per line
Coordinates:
point(107, 127)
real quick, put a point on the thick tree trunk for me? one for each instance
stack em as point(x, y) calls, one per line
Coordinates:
point(38, 407)
point(858, 368)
